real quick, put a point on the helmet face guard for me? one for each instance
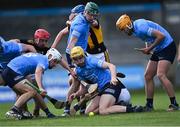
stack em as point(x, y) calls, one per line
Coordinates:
point(77, 52)
point(124, 22)
point(53, 54)
point(41, 34)
point(92, 8)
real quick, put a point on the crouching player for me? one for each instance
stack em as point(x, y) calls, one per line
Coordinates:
point(103, 73)
point(15, 73)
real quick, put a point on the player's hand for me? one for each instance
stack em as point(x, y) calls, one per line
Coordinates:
point(72, 97)
point(145, 50)
point(43, 92)
point(73, 73)
point(114, 81)
point(68, 23)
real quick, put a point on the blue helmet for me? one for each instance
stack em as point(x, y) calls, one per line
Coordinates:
point(78, 9)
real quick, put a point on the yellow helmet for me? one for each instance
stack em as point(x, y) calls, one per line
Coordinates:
point(123, 22)
point(77, 51)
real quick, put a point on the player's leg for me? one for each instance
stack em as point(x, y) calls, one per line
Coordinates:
point(93, 105)
point(73, 88)
point(26, 93)
point(24, 108)
point(83, 106)
point(111, 96)
point(36, 110)
point(40, 101)
point(166, 58)
point(163, 67)
point(150, 72)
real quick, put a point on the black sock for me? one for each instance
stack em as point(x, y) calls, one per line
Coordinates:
point(83, 108)
point(129, 109)
point(67, 107)
point(78, 99)
point(149, 102)
point(47, 111)
point(173, 101)
point(16, 109)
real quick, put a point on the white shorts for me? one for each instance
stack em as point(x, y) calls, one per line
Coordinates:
point(124, 96)
point(99, 55)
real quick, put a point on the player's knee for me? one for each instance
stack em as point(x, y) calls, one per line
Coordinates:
point(103, 111)
point(161, 76)
point(148, 76)
point(33, 92)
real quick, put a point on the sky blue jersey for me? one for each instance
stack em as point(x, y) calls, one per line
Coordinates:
point(80, 29)
point(93, 72)
point(10, 50)
point(143, 29)
point(27, 63)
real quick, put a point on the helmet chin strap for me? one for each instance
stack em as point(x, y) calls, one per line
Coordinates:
point(129, 26)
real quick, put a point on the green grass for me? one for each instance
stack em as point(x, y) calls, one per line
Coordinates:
point(159, 117)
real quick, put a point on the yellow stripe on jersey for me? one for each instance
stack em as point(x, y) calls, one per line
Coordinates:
point(106, 55)
point(96, 37)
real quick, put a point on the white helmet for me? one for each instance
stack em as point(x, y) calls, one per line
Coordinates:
point(54, 54)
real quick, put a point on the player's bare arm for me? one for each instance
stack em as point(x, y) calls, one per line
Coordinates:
point(72, 43)
point(28, 48)
point(65, 65)
point(59, 37)
point(38, 76)
point(159, 37)
point(112, 69)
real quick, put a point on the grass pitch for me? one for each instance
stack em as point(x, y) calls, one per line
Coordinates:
point(159, 117)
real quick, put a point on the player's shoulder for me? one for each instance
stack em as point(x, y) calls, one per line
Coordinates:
point(139, 22)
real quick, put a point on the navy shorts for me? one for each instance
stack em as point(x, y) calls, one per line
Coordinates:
point(11, 78)
point(167, 53)
point(114, 90)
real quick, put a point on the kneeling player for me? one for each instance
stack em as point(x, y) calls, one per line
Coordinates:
point(111, 90)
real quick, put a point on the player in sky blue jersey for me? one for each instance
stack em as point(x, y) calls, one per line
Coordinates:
point(18, 68)
point(79, 28)
point(11, 49)
point(111, 91)
point(162, 48)
point(78, 32)
point(39, 43)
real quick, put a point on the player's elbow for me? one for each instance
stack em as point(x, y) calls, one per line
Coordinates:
point(161, 37)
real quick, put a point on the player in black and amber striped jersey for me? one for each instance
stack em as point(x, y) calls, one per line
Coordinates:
point(40, 41)
point(96, 46)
